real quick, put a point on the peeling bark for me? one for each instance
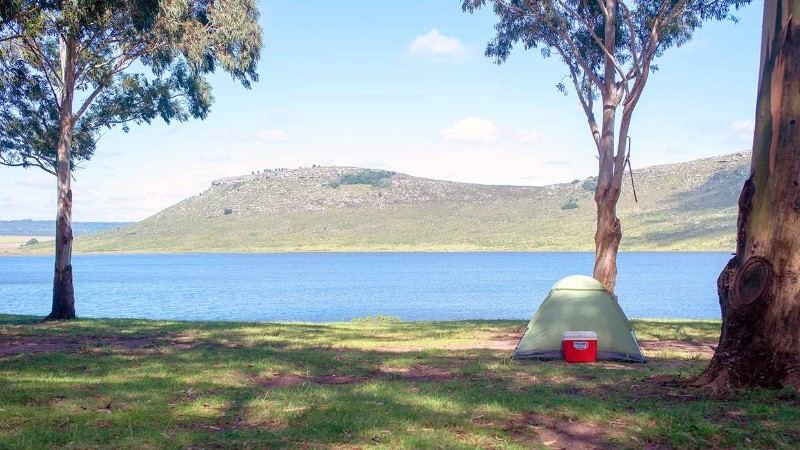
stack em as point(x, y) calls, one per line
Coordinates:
point(759, 289)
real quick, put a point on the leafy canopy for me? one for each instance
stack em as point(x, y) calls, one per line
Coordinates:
point(599, 62)
point(136, 60)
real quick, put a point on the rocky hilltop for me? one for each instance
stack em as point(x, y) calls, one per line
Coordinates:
point(685, 206)
point(321, 188)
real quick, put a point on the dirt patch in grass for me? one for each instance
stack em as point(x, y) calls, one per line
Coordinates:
point(29, 344)
point(500, 342)
point(419, 373)
point(536, 430)
point(703, 348)
point(557, 432)
point(279, 380)
point(509, 343)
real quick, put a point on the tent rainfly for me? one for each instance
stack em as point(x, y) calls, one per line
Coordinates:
point(579, 303)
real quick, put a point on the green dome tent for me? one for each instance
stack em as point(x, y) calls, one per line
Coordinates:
point(579, 303)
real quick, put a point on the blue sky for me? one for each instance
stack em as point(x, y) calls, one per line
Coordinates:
point(404, 86)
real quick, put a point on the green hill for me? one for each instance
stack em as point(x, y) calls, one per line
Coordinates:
point(686, 206)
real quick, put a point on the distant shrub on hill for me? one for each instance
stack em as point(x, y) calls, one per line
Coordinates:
point(375, 178)
point(590, 184)
point(570, 204)
point(32, 241)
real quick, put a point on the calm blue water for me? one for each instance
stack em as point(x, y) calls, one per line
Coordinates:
point(321, 287)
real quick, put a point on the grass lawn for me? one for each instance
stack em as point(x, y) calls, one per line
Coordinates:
point(362, 384)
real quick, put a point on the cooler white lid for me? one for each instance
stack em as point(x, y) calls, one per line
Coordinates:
point(579, 335)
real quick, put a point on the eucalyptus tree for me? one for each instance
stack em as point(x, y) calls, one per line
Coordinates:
point(759, 289)
point(608, 48)
point(76, 67)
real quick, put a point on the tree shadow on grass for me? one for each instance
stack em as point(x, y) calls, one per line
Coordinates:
point(258, 395)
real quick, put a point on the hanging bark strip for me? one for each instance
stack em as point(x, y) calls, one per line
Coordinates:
point(630, 171)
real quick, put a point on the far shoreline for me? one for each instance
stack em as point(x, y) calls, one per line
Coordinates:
point(15, 245)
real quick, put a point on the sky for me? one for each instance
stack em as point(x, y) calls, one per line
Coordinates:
point(404, 86)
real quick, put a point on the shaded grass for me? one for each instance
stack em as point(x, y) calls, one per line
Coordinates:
point(245, 385)
point(678, 330)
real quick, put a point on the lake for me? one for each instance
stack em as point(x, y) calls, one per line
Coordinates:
point(322, 287)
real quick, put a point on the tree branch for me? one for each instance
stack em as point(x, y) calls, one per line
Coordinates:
point(595, 37)
point(574, 53)
point(47, 69)
point(677, 9)
point(26, 163)
point(120, 66)
point(636, 66)
point(587, 102)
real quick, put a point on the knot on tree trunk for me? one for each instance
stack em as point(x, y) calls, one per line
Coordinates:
point(725, 283)
point(752, 282)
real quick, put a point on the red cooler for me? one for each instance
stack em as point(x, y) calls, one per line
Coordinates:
point(579, 346)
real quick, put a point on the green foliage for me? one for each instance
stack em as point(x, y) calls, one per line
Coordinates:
point(575, 30)
point(374, 178)
point(227, 211)
point(570, 204)
point(32, 241)
point(590, 184)
point(173, 44)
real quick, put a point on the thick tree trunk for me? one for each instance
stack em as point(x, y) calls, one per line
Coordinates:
point(607, 239)
point(63, 291)
point(759, 289)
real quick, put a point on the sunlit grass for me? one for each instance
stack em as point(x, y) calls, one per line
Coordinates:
point(361, 384)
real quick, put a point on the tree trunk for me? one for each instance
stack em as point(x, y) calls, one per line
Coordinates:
point(63, 291)
point(607, 239)
point(609, 231)
point(759, 289)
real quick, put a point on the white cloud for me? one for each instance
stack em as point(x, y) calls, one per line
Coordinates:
point(471, 129)
point(273, 135)
point(436, 44)
point(742, 131)
point(528, 137)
